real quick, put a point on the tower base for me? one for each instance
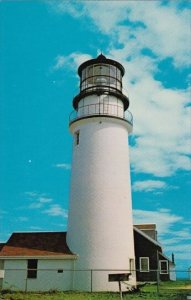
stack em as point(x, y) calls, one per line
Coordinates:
point(99, 281)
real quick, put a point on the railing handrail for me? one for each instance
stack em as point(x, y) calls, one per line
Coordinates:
point(101, 103)
point(127, 115)
point(97, 87)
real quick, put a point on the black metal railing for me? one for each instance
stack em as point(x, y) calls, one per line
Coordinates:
point(105, 86)
point(101, 109)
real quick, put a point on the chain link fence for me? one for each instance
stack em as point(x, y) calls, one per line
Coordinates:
point(43, 280)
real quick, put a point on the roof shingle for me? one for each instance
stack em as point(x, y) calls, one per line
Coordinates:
point(36, 244)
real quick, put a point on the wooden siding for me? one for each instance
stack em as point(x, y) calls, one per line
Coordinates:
point(145, 248)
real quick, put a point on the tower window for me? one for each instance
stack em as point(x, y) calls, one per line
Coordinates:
point(32, 268)
point(77, 137)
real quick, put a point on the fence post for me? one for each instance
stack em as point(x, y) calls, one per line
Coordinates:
point(158, 275)
point(26, 285)
point(120, 290)
point(91, 280)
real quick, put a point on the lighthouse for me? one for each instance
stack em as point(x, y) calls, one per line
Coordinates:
point(100, 227)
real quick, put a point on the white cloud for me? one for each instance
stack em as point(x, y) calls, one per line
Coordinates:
point(138, 24)
point(44, 204)
point(31, 194)
point(35, 205)
point(38, 200)
point(182, 251)
point(178, 237)
point(164, 219)
point(63, 166)
point(162, 123)
point(36, 228)
point(45, 200)
point(75, 8)
point(173, 240)
point(161, 119)
point(158, 32)
point(60, 62)
point(56, 210)
point(149, 185)
point(183, 255)
point(187, 223)
point(72, 61)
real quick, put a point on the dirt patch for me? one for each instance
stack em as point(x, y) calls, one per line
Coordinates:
point(186, 287)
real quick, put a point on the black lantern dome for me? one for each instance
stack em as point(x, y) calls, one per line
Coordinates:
point(103, 60)
point(101, 76)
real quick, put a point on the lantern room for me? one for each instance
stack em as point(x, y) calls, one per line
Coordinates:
point(101, 76)
point(101, 73)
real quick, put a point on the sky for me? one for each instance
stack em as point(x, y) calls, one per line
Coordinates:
point(42, 45)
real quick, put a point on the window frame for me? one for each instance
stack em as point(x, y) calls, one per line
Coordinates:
point(148, 264)
point(162, 271)
point(60, 271)
point(77, 138)
point(131, 264)
point(32, 265)
point(93, 72)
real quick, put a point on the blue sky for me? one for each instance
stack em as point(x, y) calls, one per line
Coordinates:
point(42, 44)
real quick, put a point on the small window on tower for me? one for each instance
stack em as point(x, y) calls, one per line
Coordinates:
point(77, 137)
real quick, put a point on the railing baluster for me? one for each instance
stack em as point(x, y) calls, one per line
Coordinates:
point(105, 109)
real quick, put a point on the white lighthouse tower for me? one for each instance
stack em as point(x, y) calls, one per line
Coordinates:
point(100, 229)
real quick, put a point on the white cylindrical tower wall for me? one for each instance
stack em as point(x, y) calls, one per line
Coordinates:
point(100, 227)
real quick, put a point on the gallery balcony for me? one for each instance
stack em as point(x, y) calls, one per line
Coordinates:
point(101, 109)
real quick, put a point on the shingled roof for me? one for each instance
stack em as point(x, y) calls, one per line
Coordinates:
point(36, 244)
point(1, 245)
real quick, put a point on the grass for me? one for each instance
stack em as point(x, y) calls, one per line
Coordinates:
point(168, 290)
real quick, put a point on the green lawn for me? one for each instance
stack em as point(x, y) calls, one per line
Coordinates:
point(167, 291)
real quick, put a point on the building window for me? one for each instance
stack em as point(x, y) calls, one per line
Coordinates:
point(60, 271)
point(77, 137)
point(32, 268)
point(163, 267)
point(144, 264)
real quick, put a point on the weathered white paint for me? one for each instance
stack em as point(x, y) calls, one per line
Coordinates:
point(172, 271)
point(2, 273)
point(15, 275)
point(100, 226)
point(1, 269)
point(48, 278)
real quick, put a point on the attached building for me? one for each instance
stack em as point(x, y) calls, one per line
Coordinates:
point(42, 261)
point(150, 257)
point(37, 261)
